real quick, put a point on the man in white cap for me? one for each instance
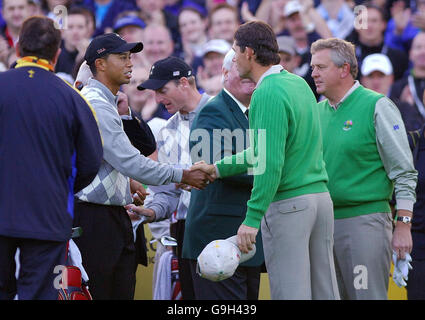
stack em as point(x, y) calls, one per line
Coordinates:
point(377, 73)
point(289, 59)
point(209, 75)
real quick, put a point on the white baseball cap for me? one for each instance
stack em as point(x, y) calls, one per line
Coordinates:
point(84, 74)
point(220, 259)
point(376, 62)
point(292, 7)
point(216, 45)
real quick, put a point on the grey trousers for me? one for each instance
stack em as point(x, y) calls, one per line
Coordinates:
point(298, 248)
point(362, 254)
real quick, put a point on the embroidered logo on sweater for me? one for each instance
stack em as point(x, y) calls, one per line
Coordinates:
point(347, 125)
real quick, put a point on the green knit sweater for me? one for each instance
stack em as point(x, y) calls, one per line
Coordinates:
point(285, 153)
point(358, 182)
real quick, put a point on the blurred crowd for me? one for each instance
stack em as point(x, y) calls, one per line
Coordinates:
point(389, 43)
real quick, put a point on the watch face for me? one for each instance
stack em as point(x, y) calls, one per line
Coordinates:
point(405, 219)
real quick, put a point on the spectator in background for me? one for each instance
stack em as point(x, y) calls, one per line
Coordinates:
point(377, 73)
point(158, 44)
point(106, 12)
point(152, 11)
point(223, 21)
point(192, 26)
point(209, 75)
point(34, 8)
point(411, 88)
point(338, 16)
point(269, 11)
point(303, 37)
point(404, 24)
point(288, 56)
point(91, 21)
point(51, 8)
point(14, 13)
point(74, 41)
point(130, 27)
point(371, 40)
point(142, 103)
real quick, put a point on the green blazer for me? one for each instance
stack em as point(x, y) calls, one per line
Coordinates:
point(217, 211)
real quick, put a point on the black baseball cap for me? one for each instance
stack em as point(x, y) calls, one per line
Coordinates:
point(109, 43)
point(164, 70)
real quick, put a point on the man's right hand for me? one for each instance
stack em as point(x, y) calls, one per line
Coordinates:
point(207, 168)
point(197, 178)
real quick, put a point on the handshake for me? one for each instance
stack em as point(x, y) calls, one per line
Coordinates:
point(199, 175)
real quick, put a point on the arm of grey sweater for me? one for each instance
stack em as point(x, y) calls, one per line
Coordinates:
point(120, 154)
point(163, 200)
point(393, 147)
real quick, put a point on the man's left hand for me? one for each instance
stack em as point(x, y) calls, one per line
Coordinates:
point(246, 238)
point(402, 237)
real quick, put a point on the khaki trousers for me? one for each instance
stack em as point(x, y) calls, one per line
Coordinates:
point(298, 248)
point(362, 253)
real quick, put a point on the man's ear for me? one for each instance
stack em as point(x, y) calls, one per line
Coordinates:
point(249, 53)
point(184, 82)
point(225, 74)
point(100, 64)
point(345, 70)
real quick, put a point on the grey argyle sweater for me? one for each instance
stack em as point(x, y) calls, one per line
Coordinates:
point(120, 159)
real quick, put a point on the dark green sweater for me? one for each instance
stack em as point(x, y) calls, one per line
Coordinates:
point(289, 161)
point(358, 182)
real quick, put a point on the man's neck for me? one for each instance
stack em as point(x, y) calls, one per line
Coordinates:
point(335, 97)
point(245, 99)
point(194, 100)
point(258, 71)
point(111, 86)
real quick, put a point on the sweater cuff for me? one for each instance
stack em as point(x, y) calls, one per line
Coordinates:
point(177, 175)
point(405, 204)
point(253, 219)
point(217, 172)
point(159, 212)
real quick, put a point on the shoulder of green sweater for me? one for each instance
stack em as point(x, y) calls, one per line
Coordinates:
point(368, 93)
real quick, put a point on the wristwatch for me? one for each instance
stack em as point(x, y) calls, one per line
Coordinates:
point(404, 219)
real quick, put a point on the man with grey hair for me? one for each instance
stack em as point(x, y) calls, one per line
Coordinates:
point(367, 156)
point(217, 212)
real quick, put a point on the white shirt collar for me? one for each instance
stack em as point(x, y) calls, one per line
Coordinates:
point(241, 106)
point(277, 68)
point(354, 87)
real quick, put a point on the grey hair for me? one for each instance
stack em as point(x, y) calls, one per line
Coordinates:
point(228, 61)
point(341, 52)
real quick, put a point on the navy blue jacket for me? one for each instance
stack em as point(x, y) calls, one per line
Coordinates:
point(50, 148)
point(418, 222)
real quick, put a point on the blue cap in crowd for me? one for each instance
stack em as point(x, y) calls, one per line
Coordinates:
point(129, 21)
